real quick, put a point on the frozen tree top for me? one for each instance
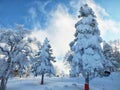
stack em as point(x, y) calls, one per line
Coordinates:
point(87, 24)
point(85, 11)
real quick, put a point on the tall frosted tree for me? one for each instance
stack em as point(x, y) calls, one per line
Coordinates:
point(87, 56)
point(43, 63)
point(15, 53)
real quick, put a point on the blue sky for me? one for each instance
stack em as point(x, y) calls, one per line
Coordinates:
point(112, 7)
point(17, 11)
point(55, 19)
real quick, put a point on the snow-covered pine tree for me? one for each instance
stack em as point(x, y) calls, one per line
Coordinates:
point(111, 65)
point(116, 49)
point(88, 58)
point(43, 63)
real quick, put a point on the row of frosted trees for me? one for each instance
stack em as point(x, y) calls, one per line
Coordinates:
point(86, 57)
point(18, 58)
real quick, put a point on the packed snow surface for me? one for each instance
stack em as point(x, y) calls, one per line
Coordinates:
point(64, 83)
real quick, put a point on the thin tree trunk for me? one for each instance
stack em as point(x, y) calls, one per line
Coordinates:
point(3, 83)
point(87, 82)
point(42, 79)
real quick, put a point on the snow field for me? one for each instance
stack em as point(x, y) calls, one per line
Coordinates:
point(65, 83)
point(50, 84)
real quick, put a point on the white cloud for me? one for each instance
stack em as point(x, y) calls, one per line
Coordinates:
point(37, 8)
point(33, 13)
point(41, 5)
point(60, 68)
point(60, 27)
point(60, 31)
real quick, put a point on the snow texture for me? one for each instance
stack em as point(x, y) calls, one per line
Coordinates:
point(65, 83)
point(14, 54)
point(111, 65)
point(42, 64)
point(87, 54)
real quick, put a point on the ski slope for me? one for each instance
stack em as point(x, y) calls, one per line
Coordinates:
point(64, 83)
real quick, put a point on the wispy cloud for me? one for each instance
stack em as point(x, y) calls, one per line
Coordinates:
point(60, 30)
point(61, 68)
point(42, 5)
point(33, 13)
point(37, 13)
point(60, 26)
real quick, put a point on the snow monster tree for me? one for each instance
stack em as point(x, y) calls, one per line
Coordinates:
point(15, 53)
point(87, 56)
point(43, 60)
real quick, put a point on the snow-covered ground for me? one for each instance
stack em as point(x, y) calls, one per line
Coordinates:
point(64, 83)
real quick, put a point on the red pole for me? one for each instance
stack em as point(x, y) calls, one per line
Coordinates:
point(86, 86)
